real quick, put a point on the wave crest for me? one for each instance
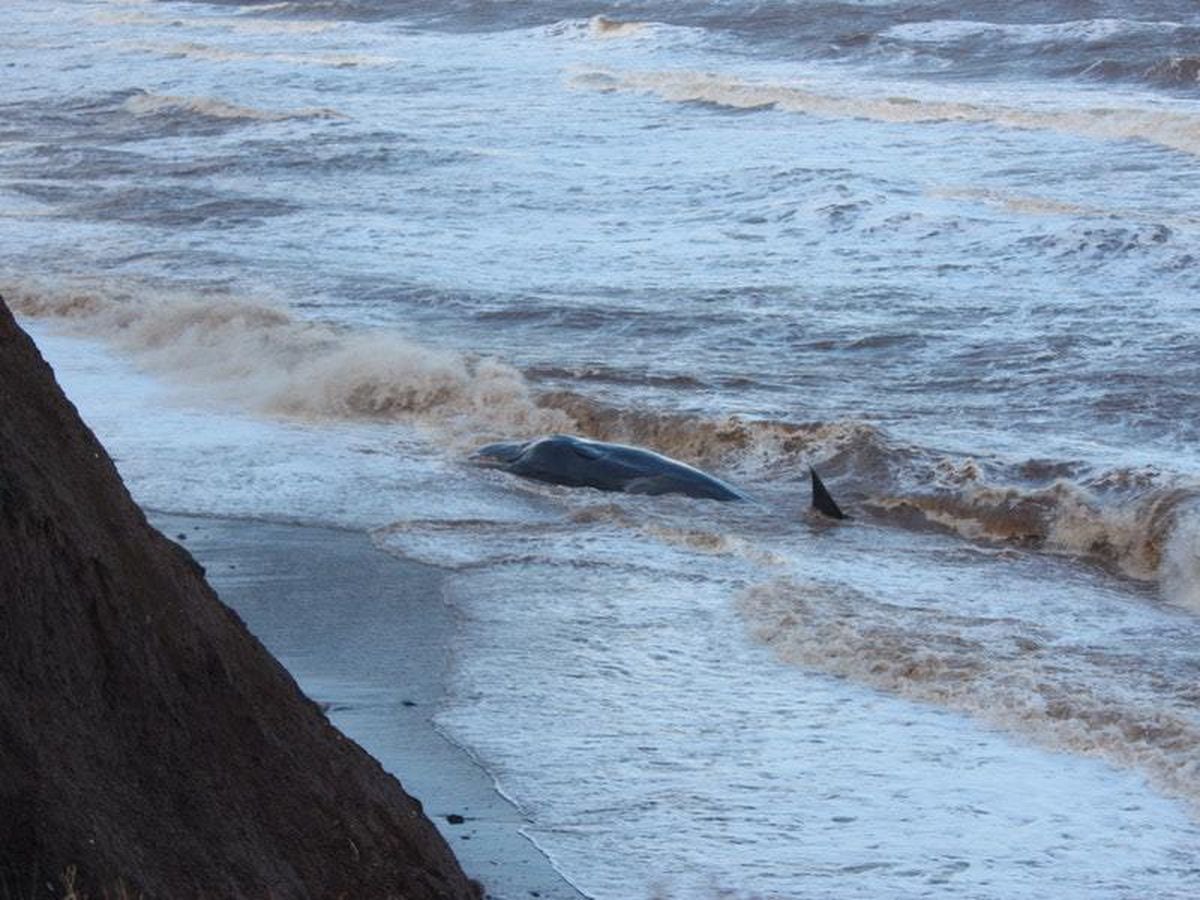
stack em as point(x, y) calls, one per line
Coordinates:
point(999, 670)
point(606, 28)
point(1137, 522)
point(1104, 32)
point(755, 447)
point(1174, 130)
point(1124, 520)
point(265, 359)
point(145, 103)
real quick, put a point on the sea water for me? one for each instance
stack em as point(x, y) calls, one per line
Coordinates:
point(294, 261)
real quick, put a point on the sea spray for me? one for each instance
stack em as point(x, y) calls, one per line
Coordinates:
point(263, 358)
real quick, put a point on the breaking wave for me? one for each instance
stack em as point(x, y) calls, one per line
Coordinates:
point(1140, 523)
point(1131, 521)
point(145, 103)
point(756, 448)
point(238, 24)
point(1170, 72)
point(137, 115)
point(263, 358)
point(1173, 130)
point(1082, 32)
point(1175, 70)
point(1003, 671)
point(604, 27)
point(194, 50)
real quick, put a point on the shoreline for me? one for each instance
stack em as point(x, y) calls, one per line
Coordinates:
point(367, 636)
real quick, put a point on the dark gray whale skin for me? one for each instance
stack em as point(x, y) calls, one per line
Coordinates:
point(577, 462)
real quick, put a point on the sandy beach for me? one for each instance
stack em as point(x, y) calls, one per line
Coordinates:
point(368, 636)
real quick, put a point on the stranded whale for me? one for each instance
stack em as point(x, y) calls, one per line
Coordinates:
point(577, 462)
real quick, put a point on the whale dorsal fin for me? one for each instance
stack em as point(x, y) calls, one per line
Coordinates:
point(822, 500)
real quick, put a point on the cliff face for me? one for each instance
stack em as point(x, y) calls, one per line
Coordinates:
point(145, 736)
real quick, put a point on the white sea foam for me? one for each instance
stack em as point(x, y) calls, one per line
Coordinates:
point(147, 103)
point(1179, 568)
point(244, 24)
point(1000, 670)
point(606, 28)
point(1021, 203)
point(1083, 31)
point(635, 667)
point(212, 53)
point(1177, 130)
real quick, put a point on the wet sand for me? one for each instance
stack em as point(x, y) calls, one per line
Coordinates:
point(368, 636)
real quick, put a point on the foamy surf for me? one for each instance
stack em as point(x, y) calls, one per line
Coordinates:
point(1163, 126)
point(731, 765)
point(1145, 532)
point(147, 103)
point(261, 357)
point(1103, 31)
point(195, 50)
point(606, 28)
point(1001, 670)
point(234, 24)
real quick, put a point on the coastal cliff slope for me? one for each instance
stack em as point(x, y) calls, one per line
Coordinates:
point(148, 742)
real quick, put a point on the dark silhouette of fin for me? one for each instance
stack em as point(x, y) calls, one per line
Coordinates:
point(821, 500)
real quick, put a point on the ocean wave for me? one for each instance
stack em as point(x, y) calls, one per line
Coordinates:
point(73, 169)
point(1082, 32)
point(136, 115)
point(619, 28)
point(314, 11)
point(1003, 671)
point(1135, 522)
point(125, 18)
point(1175, 70)
point(1021, 203)
point(265, 359)
point(179, 207)
point(1102, 241)
point(1174, 130)
point(148, 104)
point(606, 28)
point(1170, 72)
point(1140, 523)
point(756, 448)
point(248, 23)
point(612, 375)
point(210, 53)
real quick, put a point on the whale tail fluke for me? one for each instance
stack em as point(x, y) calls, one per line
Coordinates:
point(822, 500)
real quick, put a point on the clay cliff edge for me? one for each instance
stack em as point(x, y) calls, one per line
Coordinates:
point(147, 741)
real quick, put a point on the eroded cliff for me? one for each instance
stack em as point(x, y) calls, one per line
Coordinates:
point(146, 738)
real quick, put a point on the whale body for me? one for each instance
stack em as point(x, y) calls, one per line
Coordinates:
point(578, 462)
